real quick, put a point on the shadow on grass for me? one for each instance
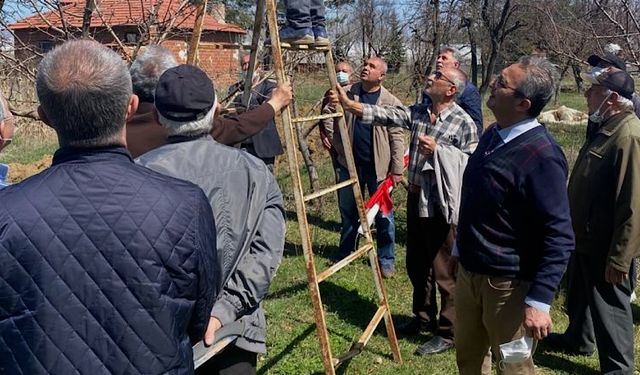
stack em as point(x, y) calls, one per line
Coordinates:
point(559, 363)
point(264, 369)
point(290, 290)
point(314, 219)
point(320, 252)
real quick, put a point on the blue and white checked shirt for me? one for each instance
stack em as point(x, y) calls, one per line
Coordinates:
point(453, 127)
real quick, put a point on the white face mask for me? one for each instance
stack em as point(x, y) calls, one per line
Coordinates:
point(517, 351)
point(343, 78)
point(598, 116)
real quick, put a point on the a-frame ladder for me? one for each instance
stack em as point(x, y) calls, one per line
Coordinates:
point(330, 361)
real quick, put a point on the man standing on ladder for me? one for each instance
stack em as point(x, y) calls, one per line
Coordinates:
point(378, 153)
point(443, 125)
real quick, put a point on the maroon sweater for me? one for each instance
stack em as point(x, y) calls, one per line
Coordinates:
point(144, 133)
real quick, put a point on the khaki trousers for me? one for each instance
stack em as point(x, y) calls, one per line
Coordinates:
point(489, 312)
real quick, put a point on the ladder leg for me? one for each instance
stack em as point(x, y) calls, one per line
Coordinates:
point(357, 192)
point(290, 140)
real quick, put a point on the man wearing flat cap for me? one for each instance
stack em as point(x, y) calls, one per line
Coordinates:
point(605, 212)
point(247, 207)
point(599, 63)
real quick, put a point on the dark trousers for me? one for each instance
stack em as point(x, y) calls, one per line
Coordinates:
point(231, 361)
point(269, 162)
point(305, 13)
point(601, 310)
point(385, 225)
point(429, 243)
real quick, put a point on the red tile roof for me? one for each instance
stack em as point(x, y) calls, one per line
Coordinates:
point(124, 13)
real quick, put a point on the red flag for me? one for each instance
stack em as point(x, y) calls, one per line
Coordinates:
point(381, 200)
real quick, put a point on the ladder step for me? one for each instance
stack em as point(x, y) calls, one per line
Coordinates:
point(316, 118)
point(304, 47)
point(328, 190)
point(358, 346)
point(338, 266)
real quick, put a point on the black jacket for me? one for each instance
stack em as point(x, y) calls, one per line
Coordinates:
point(107, 268)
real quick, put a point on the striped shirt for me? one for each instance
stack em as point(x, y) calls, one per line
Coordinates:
point(453, 127)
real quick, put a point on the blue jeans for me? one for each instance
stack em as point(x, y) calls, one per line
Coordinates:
point(385, 226)
point(303, 14)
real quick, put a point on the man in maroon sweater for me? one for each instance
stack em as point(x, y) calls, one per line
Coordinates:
point(144, 133)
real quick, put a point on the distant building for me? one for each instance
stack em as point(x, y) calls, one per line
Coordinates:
point(128, 19)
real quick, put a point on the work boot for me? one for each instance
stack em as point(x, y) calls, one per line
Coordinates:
point(436, 345)
point(320, 34)
point(296, 36)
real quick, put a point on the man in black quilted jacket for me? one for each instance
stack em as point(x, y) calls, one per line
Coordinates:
point(107, 267)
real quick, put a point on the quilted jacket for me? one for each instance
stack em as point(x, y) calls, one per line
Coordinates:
point(106, 268)
point(249, 213)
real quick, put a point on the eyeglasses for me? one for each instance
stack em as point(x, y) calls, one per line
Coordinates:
point(499, 83)
point(438, 75)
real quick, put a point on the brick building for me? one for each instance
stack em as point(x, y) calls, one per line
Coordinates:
point(123, 24)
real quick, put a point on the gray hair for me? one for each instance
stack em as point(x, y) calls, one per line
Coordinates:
point(84, 89)
point(383, 64)
point(189, 128)
point(459, 78)
point(540, 82)
point(147, 69)
point(622, 103)
point(452, 50)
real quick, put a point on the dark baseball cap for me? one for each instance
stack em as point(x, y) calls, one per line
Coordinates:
point(614, 79)
point(184, 93)
point(607, 58)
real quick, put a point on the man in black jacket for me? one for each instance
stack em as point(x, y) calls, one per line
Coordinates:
point(107, 267)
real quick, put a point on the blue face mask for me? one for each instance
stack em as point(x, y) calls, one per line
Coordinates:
point(343, 78)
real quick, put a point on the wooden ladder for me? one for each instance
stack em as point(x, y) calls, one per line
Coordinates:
point(330, 362)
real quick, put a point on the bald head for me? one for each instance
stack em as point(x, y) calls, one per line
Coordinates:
point(85, 93)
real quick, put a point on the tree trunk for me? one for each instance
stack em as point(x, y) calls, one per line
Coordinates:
point(435, 42)
point(89, 8)
point(491, 65)
point(304, 150)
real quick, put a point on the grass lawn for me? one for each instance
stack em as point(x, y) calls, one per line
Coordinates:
point(348, 296)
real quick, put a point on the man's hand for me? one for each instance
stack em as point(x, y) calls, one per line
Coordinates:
point(396, 179)
point(326, 142)
point(281, 96)
point(426, 144)
point(537, 322)
point(338, 95)
point(212, 328)
point(613, 276)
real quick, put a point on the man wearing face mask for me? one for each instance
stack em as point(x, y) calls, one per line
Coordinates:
point(378, 153)
point(327, 127)
point(605, 206)
point(601, 63)
point(266, 144)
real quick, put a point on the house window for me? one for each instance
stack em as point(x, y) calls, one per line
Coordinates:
point(45, 45)
point(132, 37)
